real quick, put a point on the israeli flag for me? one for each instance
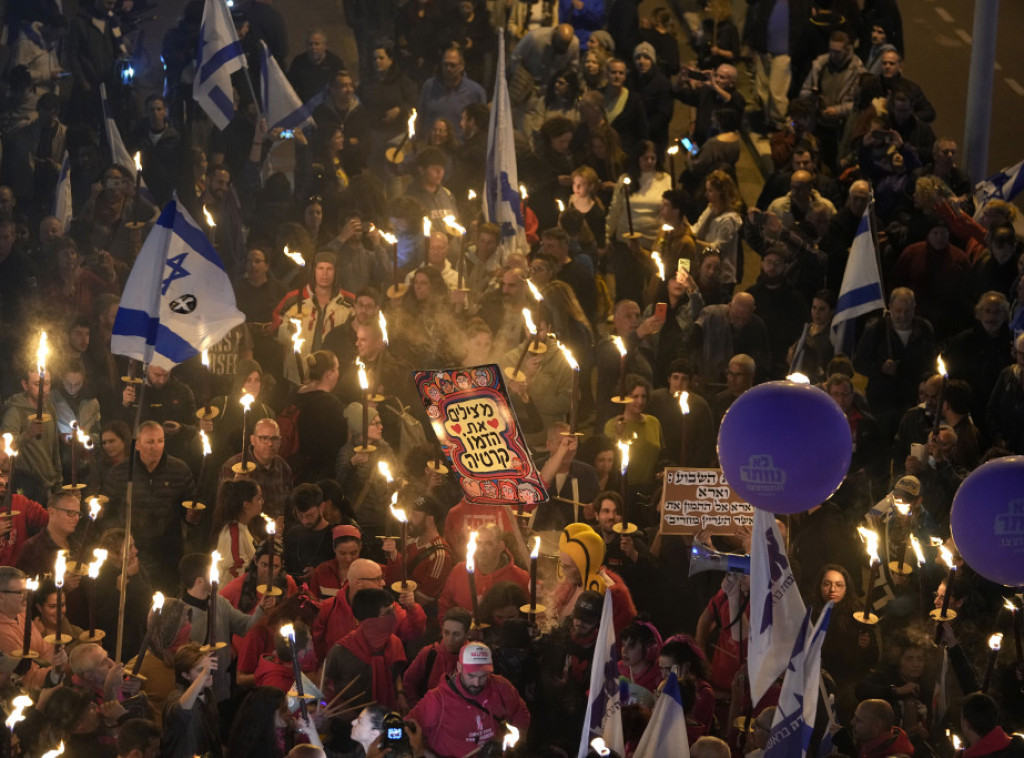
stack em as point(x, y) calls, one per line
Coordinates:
point(798, 701)
point(502, 203)
point(220, 55)
point(776, 607)
point(178, 300)
point(281, 106)
point(604, 704)
point(861, 292)
point(1004, 185)
point(62, 197)
point(666, 731)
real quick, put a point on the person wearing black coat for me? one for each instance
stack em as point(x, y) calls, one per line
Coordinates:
point(655, 92)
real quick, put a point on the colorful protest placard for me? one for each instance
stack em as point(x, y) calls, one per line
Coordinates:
point(473, 420)
point(700, 498)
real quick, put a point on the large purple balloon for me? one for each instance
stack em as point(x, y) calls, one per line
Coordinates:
point(987, 520)
point(784, 447)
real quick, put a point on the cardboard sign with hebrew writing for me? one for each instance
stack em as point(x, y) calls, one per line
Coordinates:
point(473, 419)
point(700, 498)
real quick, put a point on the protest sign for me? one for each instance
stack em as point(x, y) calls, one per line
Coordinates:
point(473, 419)
point(700, 498)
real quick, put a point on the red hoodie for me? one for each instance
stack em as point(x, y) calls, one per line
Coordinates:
point(895, 743)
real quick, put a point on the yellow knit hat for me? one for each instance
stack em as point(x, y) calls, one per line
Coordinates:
point(586, 548)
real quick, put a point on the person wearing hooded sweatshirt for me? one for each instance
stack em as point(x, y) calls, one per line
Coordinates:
point(371, 652)
point(874, 730)
point(37, 468)
point(985, 738)
point(581, 553)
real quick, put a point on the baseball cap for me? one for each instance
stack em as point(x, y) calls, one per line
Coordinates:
point(907, 486)
point(345, 531)
point(588, 606)
point(476, 657)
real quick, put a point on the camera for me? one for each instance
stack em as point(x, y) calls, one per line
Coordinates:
point(698, 76)
point(393, 733)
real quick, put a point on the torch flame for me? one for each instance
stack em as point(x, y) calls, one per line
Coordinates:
point(619, 345)
point(568, 357)
point(214, 570)
point(383, 324)
point(1010, 605)
point(995, 641)
point(94, 508)
point(207, 449)
point(901, 507)
point(205, 355)
point(935, 541)
point(32, 584)
point(870, 539)
point(246, 400)
point(426, 226)
point(137, 159)
point(41, 352)
point(83, 439)
point(271, 525)
point(535, 553)
point(561, 206)
point(412, 123)
point(20, 703)
point(534, 291)
point(626, 180)
point(389, 238)
point(385, 471)
point(398, 513)
point(529, 321)
point(471, 195)
point(674, 150)
point(666, 228)
point(947, 556)
point(297, 340)
point(522, 192)
point(941, 366)
point(8, 439)
point(684, 402)
point(659, 264)
point(918, 553)
point(511, 738)
point(624, 450)
point(55, 753)
point(158, 601)
point(364, 383)
point(599, 747)
point(59, 567)
point(957, 745)
point(798, 378)
point(288, 631)
point(452, 224)
point(94, 568)
point(209, 218)
point(471, 552)
point(295, 256)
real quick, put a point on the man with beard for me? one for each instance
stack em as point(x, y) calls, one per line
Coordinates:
point(833, 82)
point(427, 559)
point(223, 204)
point(475, 703)
point(781, 307)
point(435, 662)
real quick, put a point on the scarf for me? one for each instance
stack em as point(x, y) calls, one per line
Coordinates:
point(373, 643)
point(615, 109)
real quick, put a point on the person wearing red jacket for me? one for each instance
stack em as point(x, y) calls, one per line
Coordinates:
point(434, 662)
point(493, 564)
point(875, 731)
point(335, 619)
point(276, 670)
point(428, 556)
point(27, 519)
point(985, 738)
point(471, 707)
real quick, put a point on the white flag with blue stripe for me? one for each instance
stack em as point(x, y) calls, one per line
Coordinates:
point(604, 704)
point(62, 197)
point(665, 734)
point(776, 607)
point(178, 300)
point(861, 291)
point(1004, 185)
point(502, 202)
point(118, 152)
point(798, 700)
point(220, 55)
point(281, 106)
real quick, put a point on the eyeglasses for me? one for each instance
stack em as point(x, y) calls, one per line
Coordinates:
point(268, 438)
point(69, 512)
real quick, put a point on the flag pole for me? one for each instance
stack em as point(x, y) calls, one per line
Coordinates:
point(126, 547)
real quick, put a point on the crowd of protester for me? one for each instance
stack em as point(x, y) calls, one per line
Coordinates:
point(632, 233)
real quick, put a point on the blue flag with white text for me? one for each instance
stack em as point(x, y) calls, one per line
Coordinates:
point(798, 701)
point(220, 55)
point(178, 300)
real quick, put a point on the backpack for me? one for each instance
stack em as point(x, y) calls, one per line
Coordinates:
point(406, 432)
point(288, 422)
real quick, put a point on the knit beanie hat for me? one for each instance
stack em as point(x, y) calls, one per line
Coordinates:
point(586, 548)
